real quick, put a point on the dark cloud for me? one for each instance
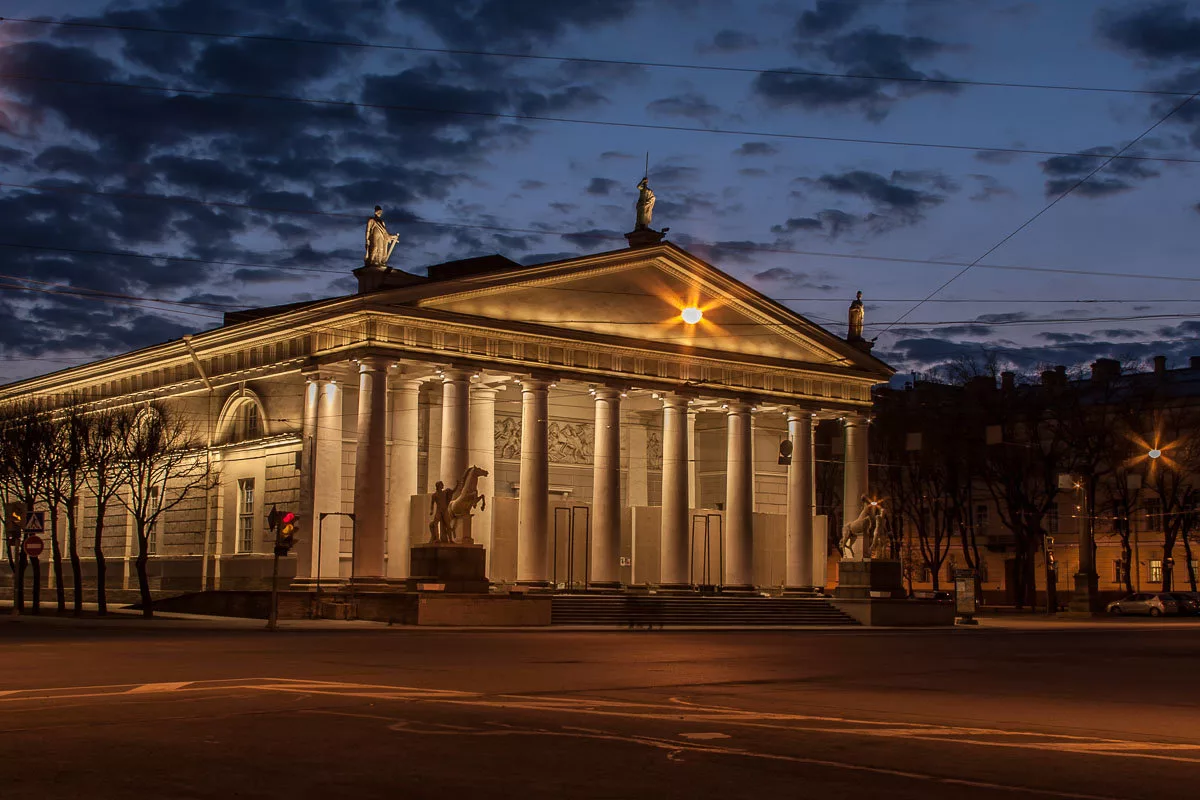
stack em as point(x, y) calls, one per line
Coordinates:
point(756, 149)
point(1161, 31)
point(729, 41)
point(602, 186)
point(1064, 172)
point(690, 105)
point(826, 16)
point(901, 199)
point(988, 188)
point(796, 279)
point(513, 23)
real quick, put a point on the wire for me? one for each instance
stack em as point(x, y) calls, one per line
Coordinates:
point(1178, 107)
point(599, 61)
point(603, 236)
point(578, 121)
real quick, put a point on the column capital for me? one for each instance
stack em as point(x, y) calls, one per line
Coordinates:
point(738, 407)
point(482, 389)
point(404, 383)
point(373, 364)
point(532, 384)
point(675, 401)
point(800, 412)
point(607, 393)
point(456, 374)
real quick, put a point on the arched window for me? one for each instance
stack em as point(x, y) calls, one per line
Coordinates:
point(242, 419)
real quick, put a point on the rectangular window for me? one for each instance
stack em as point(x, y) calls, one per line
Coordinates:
point(1153, 515)
point(1052, 520)
point(1155, 571)
point(1117, 575)
point(152, 528)
point(981, 518)
point(246, 515)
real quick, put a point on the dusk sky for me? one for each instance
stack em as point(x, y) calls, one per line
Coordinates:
point(806, 185)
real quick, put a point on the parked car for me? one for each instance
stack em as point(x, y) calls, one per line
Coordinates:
point(1188, 602)
point(1154, 604)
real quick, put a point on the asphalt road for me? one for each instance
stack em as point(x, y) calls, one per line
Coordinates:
point(185, 712)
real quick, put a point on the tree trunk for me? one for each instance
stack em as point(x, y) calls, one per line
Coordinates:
point(19, 581)
point(98, 552)
point(37, 584)
point(1187, 553)
point(1126, 563)
point(73, 554)
point(60, 591)
point(143, 577)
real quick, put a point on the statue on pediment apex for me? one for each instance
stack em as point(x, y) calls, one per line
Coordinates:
point(379, 242)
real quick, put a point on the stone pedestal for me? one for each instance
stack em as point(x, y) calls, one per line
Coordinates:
point(878, 578)
point(459, 568)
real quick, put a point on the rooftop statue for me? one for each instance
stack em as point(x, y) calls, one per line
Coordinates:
point(379, 242)
point(857, 315)
point(645, 205)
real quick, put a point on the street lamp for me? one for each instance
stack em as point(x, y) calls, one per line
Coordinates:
point(1154, 452)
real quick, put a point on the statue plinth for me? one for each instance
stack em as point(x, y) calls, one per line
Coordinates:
point(374, 277)
point(864, 345)
point(644, 237)
point(872, 577)
point(461, 568)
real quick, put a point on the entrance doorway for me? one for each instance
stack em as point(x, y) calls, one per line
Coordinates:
point(572, 547)
point(708, 552)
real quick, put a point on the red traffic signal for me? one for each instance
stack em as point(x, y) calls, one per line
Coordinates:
point(284, 534)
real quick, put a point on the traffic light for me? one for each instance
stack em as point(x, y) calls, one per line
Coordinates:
point(287, 529)
point(15, 514)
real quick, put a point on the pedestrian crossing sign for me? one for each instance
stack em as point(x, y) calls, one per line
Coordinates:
point(36, 522)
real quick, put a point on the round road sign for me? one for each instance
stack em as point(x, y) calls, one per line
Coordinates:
point(33, 545)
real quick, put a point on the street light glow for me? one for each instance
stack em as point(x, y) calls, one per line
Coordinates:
point(691, 315)
point(1154, 452)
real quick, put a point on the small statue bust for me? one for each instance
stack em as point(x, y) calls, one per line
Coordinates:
point(379, 241)
point(857, 315)
point(644, 205)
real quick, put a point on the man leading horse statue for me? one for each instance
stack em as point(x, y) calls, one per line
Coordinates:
point(866, 527)
point(448, 506)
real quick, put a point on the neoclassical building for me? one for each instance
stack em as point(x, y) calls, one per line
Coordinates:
point(628, 408)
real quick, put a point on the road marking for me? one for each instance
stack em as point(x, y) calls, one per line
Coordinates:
point(150, 688)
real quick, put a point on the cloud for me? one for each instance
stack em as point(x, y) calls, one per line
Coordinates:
point(826, 16)
point(756, 149)
point(728, 40)
point(602, 186)
point(901, 199)
point(988, 188)
point(1160, 32)
point(513, 23)
point(689, 105)
point(796, 279)
point(1064, 172)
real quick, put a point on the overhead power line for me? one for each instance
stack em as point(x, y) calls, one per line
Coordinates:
point(805, 73)
point(579, 121)
point(597, 235)
point(1063, 195)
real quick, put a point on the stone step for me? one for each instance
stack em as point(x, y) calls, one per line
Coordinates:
point(691, 611)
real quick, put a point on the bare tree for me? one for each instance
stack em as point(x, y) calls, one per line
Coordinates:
point(161, 464)
point(25, 438)
point(51, 483)
point(102, 454)
point(72, 437)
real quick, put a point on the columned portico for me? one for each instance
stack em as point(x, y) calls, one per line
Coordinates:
point(855, 475)
point(533, 530)
point(307, 533)
point(402, 483)
point(739, 499)
point(606, 490)
point(370, 471)
point(799, 541)
point(675, 558)
point(456, 420)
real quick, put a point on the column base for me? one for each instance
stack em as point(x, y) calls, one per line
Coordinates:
point(604, 586)
point(737, 588)
point(676, 587)
point(802, 591)
point(536, 584)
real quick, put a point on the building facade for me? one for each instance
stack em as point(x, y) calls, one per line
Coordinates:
point(625, 441)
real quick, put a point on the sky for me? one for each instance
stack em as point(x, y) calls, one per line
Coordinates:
point(164, 161)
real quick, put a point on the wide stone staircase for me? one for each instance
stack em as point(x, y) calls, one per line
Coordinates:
point(636, 610)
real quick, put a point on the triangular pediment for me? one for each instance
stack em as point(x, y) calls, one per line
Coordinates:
point(639, 294)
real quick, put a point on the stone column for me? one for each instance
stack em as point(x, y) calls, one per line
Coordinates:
point(327, 487)
point(456, 419)
point(533, 504)
point(307, 529)
point(606, 491)
point(854, 486)
point(638, 488)
point(402, 484)
point(370, 469)
point(739, 499)
point(799, 543)
point(483, 455)
point(675, 558)
point(693, 485)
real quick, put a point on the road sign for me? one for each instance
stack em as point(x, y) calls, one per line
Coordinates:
point(36, 523)
point(33, 545)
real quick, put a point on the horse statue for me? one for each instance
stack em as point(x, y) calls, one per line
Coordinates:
point(465, 497)
point(866, 525)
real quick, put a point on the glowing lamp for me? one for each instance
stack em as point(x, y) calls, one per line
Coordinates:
point(1155, 453)
point(691, 315)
